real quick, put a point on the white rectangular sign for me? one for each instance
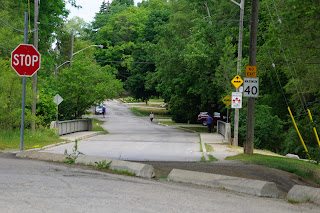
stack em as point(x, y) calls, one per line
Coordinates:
point(236, 100)
point(251, 87)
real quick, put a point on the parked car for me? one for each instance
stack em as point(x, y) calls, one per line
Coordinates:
point(216, 117)
point(202, 118)
point(99, 110)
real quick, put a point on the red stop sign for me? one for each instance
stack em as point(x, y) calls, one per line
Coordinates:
point(25, 60)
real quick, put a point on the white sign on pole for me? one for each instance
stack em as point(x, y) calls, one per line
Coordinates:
point(57, 99)
point(236, 100)
point(251, 87)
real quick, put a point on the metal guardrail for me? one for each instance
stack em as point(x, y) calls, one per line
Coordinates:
point(71, 126)
point(224, 129)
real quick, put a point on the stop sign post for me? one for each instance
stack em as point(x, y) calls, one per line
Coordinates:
point(25, 60)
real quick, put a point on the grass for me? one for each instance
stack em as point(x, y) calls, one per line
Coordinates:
point(11, 139)
point(171, 123)
point(196, 129)
point(96, 125)
point(211, 159)
point(208, 147)
point(158, 113)
point(156, 100)
point(303, 169)
point(103, 165)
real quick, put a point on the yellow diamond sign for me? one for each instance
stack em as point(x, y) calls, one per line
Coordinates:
point(237, 81)
point(227, 100)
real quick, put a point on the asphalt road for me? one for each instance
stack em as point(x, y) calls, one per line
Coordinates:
point(37, 186)
point(137, 139)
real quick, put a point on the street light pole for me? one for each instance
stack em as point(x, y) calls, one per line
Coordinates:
point(71, 50)
point(236, 112)
point(57, 67)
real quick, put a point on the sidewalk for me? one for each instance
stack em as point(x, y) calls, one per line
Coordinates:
point(221, 149)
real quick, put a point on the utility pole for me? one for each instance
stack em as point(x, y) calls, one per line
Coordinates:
point(34, 77)
point(236, 111)
point(248, 148)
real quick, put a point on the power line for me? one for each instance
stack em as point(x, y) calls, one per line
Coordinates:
point(125, 62)
point(274, 66)
point(5, 48)
point(11, 26)
point(285, 57)
point(30, 31)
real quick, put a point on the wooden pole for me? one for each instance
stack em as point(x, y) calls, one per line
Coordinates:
point(248, 148)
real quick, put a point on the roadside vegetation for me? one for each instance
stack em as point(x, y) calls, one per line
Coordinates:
point(166, 49)
point(306, 170)
point(158, 113)
point(96, 125)
point(211, 159)
point(10, 139)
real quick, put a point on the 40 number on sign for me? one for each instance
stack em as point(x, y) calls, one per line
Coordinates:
point(251, 87)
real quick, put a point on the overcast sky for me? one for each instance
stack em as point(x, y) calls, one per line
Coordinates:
point(89, 9)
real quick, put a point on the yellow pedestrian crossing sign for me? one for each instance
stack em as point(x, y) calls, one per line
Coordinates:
point(227, 100)
point(237, 81)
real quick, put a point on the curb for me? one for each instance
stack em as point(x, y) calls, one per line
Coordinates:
point(140, 170)
point(41, 156)
point(304, 193)
point(204, 151)
point(91, 134)
point(248, 186)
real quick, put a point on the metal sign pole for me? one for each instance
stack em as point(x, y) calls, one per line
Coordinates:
point(57, 113)
point(227, 114)
point(23, 84)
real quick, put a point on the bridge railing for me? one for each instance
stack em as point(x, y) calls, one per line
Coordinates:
point(224, 129)
point(71, 126)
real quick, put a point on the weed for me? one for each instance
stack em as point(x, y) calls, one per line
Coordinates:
point(71, 158)
point(164, 177)
point(123, 172)
point(103, 164)
point(293, 201)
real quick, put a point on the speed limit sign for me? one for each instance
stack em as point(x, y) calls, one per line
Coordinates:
point(251, 87)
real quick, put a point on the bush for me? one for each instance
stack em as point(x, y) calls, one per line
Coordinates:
point(46, 109)
point(268, 132)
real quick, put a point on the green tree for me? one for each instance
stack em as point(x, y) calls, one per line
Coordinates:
point(85, 85)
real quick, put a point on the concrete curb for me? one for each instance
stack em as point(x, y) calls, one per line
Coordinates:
point(253, 187)
point(90, 134)
point(204, 151)
point(41, 156)
point(141, 170)
point(304, 193)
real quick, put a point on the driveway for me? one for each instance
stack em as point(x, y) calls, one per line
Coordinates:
point(137, 139)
